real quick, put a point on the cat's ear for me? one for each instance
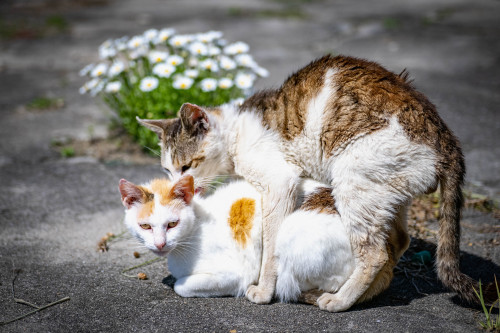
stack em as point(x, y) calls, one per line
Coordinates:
point(159, 126)
point(184, 189)
point(194, 119)
point(130, 193)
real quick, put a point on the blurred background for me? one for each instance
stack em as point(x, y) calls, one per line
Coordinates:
point(61, 156)
point(450, 48)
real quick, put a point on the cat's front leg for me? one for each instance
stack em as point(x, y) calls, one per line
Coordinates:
point(276, 205)
point(207, 285)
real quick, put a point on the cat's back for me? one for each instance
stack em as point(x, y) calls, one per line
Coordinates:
point(337, 99)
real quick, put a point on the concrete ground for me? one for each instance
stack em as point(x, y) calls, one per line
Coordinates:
point(54, 210)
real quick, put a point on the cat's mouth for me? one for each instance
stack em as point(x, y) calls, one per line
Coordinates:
point(199, 190)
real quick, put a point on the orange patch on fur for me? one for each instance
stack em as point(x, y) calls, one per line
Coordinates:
point(163, 188)
point(241, 218)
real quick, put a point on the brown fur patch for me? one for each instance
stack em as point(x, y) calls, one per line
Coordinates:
point(241, 219)
point(148, 203)
point(320, 200)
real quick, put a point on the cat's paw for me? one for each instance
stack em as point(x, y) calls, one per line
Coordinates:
point(332, 303)
point(258, 295)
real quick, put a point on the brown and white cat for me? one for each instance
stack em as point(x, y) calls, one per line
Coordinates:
point(342, 121)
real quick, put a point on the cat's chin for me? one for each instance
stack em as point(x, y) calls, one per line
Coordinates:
point(161, 253)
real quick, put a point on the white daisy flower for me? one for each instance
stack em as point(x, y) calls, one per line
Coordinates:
point(245, 60)
point(97, 89)
point(121, 43)
point(225, 83)
point(237, 101)
point(175, 60)
point(198, 48)
point(89, 85)
point(148, 83)
point(227, 63)
point(182, 82)
point(192, 73)
point(209, 36)
point(164, 34)
point(236, 48)
point(209, 64)
point(135, 42)
point(116, 68)
point(244, 80)
point(163, 70)
point(213, 50)
point(99, 70)
point(150, 34)
point(141, 51)
point(260, 71)
point(86, 70)
point(179, 41)
point(157, 56)
point(113, 87)
point(193, 62)
point(208, 84)
point(107, 50)
point(190, 38)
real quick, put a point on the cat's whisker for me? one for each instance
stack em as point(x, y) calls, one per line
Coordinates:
point(152, 150)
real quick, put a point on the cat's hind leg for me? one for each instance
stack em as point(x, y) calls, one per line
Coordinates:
point(372, 179)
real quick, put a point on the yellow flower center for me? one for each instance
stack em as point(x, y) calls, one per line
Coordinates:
point(183, 85)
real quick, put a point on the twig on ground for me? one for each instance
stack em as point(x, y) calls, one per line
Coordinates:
point(149, 262)
point(21, 301)
point(36, 310)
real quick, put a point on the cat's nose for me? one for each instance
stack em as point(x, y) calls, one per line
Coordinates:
point(160, 246)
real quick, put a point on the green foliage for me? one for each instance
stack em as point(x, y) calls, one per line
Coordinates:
point(56, 22)
point(67, 152)
point(391, 23)
point(44, 103)
point(151, 75)
point(491, 323)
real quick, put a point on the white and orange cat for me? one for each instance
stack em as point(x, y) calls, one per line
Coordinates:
point(214, 243)
point(345, 122)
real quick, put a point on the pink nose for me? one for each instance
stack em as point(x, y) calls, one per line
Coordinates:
point(160, 246)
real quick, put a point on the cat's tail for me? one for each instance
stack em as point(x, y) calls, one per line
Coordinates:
point(448, 249)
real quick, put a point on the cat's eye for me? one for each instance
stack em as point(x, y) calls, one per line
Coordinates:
point(169, 174)
point(173, 224)
point(145, 226)
point(186, 167)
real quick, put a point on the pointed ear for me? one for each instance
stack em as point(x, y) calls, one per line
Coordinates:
point(159, 126)
point(194, 119)
point(130, 193)
point(184, 189)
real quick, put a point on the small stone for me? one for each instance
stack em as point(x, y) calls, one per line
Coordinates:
point(137, 254)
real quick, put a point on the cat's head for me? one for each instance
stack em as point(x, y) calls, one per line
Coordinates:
point(159, 213)
point(190, 144)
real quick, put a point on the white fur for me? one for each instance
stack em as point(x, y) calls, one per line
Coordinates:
point(305, 150)
point(313, 249)
point(376, 174)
